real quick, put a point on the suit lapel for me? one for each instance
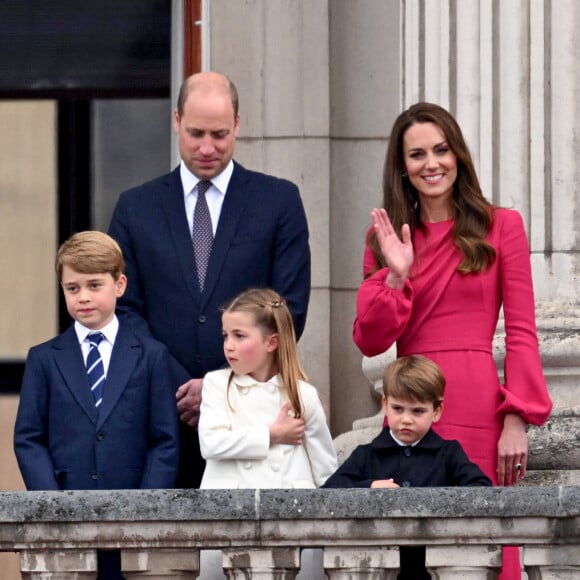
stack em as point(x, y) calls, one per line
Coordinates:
point(236, 199)
point(69, 359)
point(126, 353)
point(174, 208)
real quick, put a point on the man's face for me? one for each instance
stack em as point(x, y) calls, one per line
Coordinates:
point(207, 132)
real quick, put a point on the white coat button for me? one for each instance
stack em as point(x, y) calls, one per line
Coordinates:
point(275, 467)
point(248, 465)
point(245, 390)
point(272, 388)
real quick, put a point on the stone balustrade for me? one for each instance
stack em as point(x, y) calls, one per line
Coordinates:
point(261, 532)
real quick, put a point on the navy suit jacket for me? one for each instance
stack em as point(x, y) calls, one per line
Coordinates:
point(62, 442)
point(433, 462)
point(261, 241)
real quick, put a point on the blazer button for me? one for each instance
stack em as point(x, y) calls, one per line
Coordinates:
point(100, 436)
point(201, 319)
point(407, 452)
point(406, 484)
point(94, 476)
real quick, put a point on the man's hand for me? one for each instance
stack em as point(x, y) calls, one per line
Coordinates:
point(188, 398)
point(286, 429)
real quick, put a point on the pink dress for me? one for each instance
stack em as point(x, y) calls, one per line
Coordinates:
point(451, 318)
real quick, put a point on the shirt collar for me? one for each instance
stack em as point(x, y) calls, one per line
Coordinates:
point(110, 331)
point(248, 381)
point(220, 182)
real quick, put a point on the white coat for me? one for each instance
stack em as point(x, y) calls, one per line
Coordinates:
point(234, 436)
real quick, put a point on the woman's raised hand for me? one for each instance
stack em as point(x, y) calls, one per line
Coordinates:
point(398, 253)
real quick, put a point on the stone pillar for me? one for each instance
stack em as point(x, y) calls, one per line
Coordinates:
point(161, 564)
point(262, 564)
point(465, 562)
point(378, 563)
point(58, 564)
point(552, 562)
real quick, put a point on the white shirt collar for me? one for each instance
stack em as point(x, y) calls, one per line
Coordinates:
point(110, 330)
point(401, 443)
point(220, 182)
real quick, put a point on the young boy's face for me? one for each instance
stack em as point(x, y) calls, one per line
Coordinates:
point(410, 420)
point(91, 298)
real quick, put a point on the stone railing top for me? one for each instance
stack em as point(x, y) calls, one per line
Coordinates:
point(302, 504)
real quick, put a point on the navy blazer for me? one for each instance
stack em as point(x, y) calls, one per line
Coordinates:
point(433, 462)
point(261, 241)
point(62, 442)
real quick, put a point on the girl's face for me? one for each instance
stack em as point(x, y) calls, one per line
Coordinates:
point(248, 350)
point(429, 161)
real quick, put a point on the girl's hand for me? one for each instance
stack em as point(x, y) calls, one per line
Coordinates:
point(512, 451)
point(398, 253)
point(286, 429)
point(384, 483)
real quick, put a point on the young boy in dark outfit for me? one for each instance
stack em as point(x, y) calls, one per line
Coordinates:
point(408, 453)
point(112, 426)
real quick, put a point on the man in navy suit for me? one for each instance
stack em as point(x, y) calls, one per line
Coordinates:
point(126, 437)
point(260, 239)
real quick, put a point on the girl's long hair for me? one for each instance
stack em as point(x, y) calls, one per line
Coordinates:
point(271, 314)
point(472, 213)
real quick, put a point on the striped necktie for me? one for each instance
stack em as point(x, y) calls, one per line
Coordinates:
point(95, 367)
point(202, 232)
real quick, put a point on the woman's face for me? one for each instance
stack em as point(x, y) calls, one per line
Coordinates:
point(429, 161)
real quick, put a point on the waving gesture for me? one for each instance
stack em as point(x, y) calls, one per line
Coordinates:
point(398, 253)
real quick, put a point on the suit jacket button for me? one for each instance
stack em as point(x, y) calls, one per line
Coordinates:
point(201, 319)
point(100, 436)
point(407, 452)
point(94, 476)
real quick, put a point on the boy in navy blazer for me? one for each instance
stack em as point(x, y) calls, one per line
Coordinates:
point(407, 452)
point(125, 437)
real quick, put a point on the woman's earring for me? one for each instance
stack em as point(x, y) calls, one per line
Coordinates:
point(404, 174)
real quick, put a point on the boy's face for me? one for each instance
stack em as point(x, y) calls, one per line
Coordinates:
point(91, 298)
point(410, 420)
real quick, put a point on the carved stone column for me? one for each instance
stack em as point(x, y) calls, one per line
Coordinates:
point(58, 565)
point(262, 564)
point(552, 562)
point(344, 563)
point(162, 564)
point(465, 562)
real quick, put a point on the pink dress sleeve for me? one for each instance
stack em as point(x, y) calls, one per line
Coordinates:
point(382, 313)
point(524, 391)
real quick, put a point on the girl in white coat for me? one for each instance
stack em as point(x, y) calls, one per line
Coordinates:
point(261, 424)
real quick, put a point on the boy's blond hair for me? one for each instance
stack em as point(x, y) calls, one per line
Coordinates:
point(414, 378)
point(91, 252)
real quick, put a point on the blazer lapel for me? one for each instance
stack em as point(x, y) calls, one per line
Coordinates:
point(236, 199)
point(126, 353)
point(174, 207)
point(69, 359)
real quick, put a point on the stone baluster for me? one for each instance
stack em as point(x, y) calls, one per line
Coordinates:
point(465, 562)
point(552, 562)
point(164, 564)
point(58, 564)
point(261, 564)
point(352, 563)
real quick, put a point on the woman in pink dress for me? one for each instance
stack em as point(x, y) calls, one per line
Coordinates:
point(440, 262)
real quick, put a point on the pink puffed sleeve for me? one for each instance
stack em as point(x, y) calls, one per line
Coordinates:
point(525, 391)
point(382, 313)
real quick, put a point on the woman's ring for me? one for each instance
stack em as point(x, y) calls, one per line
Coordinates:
point(518, 466)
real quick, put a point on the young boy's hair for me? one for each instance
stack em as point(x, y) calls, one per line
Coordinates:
point(414, 378)
point(91, 252)
point(272, 316)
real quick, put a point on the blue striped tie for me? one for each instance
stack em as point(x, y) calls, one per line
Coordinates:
point(95, 368)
